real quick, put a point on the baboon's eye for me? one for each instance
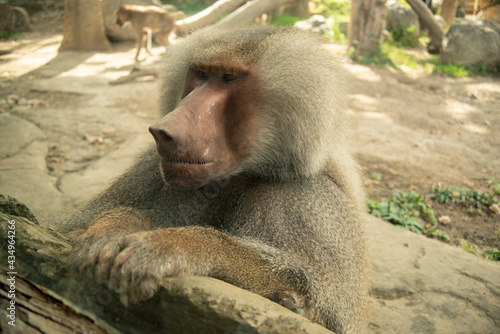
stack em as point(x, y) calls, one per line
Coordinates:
point(201, 75)
point(228, 77)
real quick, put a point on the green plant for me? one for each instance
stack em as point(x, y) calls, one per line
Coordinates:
point(473, 200)
point(485, 69)
point(404, 210)
point(488, 253)
point(338, 36)
point(378, 57)
point(340, 10)
point(391, 212)
point(390, 54)
point(331, 8)
point(189, 7)
point(399, 58)
point(436, 233)
point(452, 70)
point(10, 35)
point(457, 71)
point(495, 185)
point(405, 37)
point(406, 4)
point(471, 248)
point(285, 20)
point(492, 254)
point(376, 176)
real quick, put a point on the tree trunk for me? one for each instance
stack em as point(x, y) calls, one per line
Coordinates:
point(40, 311)
point(434, 30)
point(247, 13)
point(207, 16)
point(366, 26)
point(84, 26)
point(244, 12)
point(448, 11)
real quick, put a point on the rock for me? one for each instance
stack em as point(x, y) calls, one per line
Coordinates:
point(445, 220)
point(317, 24)
point(472, 42)
point(402, 23)
point(421, 285)
point(441, 22)
point(400, 16)
point(15, 134)
point(25, 176)
point(12, 99)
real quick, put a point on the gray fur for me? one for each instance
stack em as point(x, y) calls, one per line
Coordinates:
point(298, 199)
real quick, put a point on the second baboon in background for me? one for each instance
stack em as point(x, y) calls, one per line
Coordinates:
point(148, 20)
point(251, 181)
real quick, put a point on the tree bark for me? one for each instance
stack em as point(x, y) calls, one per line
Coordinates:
point(243, 12)
point(43, 311)
point(448, 11)
point(366, 26)
point(207, 16)
point(435, 32)
point(84, 27)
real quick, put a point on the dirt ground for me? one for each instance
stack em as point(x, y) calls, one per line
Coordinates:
point(413, 128)
point(417, 130)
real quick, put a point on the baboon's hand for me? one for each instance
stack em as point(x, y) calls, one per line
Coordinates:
point(148, 257)
point(94, 251)
point(94, 257)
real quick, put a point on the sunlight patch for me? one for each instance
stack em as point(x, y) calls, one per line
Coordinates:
point(458, 110)
point(474, 128)
point(363, 73)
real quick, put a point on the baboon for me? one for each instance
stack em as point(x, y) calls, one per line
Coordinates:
point(145, 21)
point(251, 181)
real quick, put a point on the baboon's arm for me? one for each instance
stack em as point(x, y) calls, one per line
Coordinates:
point(122, 251)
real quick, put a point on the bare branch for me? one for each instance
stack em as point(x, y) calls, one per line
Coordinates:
point(436, 34)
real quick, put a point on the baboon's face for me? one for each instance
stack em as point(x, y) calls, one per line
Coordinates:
point(213, 128)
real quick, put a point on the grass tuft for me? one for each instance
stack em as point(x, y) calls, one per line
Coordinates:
point(410, 211)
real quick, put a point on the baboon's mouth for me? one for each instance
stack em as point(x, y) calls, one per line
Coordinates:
point(186, 173)
point(184, 161)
